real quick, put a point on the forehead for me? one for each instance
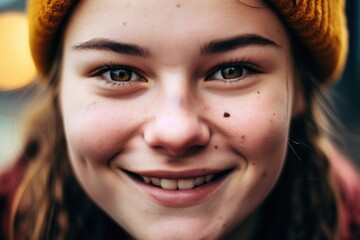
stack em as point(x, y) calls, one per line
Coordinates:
point(183, 21)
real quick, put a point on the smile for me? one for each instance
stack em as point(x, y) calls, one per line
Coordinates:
point(178, 184)
point(180, 189)
point(173, 183)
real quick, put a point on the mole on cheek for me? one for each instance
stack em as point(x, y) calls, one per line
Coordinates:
point(216, 147)
point(178, 5)
point(226, 115)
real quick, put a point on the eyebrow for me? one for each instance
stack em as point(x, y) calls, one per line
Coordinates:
point(213, 47)
point(225, 45)
point(110, 45)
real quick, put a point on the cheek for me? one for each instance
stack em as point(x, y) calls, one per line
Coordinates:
point(268, 137)
point(258, 131)
point(94, 130)
point(265, 138)
point(95, 133)
point(258, 127)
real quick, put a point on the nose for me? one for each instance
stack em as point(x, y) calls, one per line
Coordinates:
point(177, 129)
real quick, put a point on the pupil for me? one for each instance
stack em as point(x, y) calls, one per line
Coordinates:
point(231, 72)
point(120, 75)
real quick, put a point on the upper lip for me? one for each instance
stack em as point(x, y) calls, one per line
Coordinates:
point(192, 173)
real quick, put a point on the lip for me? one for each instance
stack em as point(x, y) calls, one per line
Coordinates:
point(179, 198)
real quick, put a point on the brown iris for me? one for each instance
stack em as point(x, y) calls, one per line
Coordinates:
point(231, 72)
point(120, 75)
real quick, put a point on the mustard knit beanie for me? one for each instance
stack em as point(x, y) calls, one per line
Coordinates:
point(319, 24)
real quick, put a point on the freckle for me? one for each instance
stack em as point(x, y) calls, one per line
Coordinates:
point(243, 137)
point(271, 121)
point(264, 174)
point(274, 114)
point(258, 92)
point(124, 23)
point(178, 5)
point(216, 146)
point(226, 114)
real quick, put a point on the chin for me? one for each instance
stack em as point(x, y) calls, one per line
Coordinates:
point(179, 234)
point(176, 230)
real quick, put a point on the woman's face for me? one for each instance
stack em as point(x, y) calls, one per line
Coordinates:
point(176, 113)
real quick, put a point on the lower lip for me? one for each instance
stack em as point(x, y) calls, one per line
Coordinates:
point(182, 198)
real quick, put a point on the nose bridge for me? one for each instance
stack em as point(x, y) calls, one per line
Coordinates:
point(176, 95)
point(177, 101)
point(176, 125)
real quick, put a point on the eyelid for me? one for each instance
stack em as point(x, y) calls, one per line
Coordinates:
point(249, 67)
point(100, 71)
point(108, 67)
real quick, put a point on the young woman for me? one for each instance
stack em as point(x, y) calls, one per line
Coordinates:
point(182, 120)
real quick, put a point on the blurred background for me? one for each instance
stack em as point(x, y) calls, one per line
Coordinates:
point(17, 75)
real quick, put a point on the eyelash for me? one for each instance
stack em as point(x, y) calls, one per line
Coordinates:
point(248, 68)
point(107, 68)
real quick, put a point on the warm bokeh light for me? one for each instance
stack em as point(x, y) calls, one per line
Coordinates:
point(16, 66)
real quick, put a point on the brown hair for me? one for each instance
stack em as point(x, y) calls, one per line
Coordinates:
point(48, 199)
point(41, 189)
point(306, 194)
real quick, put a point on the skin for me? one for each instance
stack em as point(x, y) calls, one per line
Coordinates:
point(179, 115)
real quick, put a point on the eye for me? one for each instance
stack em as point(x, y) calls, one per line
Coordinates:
point(117, 74)
point(233, 72)
point(121, 75)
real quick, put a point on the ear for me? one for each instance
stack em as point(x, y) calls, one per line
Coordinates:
point(299, 102)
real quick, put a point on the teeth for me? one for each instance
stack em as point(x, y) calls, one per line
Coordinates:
point(169, 183)
point(208, 178)
point(147, 179)
point(186, 183)
point(181, 184)
point(199, 181)
point(156, 181)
